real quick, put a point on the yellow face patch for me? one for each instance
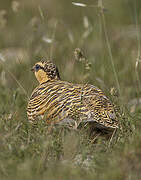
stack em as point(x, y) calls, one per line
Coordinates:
point(41, 76)
point(45, 70)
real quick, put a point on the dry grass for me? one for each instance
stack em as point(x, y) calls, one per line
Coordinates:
point(109, 35)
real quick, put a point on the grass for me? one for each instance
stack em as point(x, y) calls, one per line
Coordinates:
point(111, 42)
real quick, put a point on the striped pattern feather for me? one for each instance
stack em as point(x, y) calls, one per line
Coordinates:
point(59, 101)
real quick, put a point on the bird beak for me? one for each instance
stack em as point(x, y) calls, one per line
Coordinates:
point(33, 69)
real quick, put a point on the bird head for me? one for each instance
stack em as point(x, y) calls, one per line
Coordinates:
point(45, 71)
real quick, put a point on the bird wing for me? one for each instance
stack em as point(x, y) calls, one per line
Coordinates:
point(102, 110)
point(59, 100)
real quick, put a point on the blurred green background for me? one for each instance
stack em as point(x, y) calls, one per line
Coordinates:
point(31, 30)
point(108, 32)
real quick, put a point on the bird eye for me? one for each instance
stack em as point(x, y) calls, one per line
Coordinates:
point(37, 67)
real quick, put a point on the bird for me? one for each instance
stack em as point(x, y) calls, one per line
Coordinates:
point(61, 102)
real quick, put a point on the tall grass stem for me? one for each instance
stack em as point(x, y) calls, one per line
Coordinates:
point(100, 5)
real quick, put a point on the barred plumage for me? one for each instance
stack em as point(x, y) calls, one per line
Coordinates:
point(63, 102)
